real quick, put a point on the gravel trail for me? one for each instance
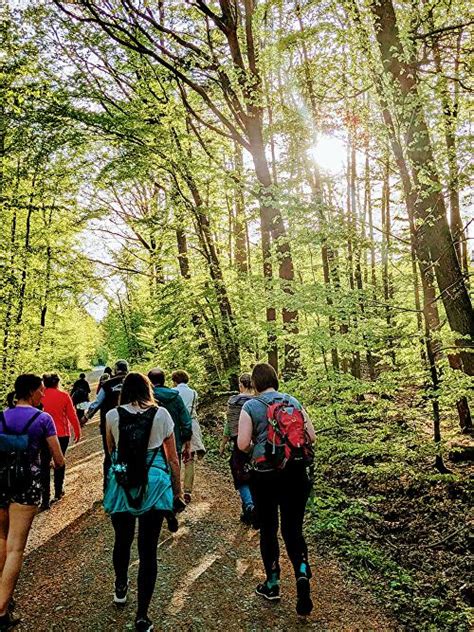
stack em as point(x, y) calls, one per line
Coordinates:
point(207, 571)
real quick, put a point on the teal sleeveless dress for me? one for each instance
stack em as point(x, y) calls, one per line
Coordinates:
point(158, 495)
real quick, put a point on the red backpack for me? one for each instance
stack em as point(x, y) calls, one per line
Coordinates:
point(287, 437)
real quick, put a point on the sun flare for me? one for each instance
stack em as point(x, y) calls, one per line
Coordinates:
point(329, 152)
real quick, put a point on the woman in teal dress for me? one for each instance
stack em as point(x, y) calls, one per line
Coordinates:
point(162, 492)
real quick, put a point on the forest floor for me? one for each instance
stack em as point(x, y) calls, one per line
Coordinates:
point(207, 570)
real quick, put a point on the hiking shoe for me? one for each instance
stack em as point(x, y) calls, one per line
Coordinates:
point(173, 524)
point(247, 515)
point(143, 624)
point(187, 498)
point(58, 497)
point(304, 605)
point(8, 621)
point(264, 590)
point(120, 595)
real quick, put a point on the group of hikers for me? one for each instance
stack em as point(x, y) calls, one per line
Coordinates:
point(150, 433)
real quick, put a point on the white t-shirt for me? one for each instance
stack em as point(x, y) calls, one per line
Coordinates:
point(161, 429)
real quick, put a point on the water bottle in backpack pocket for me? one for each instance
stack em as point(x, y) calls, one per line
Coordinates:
point(15, 466)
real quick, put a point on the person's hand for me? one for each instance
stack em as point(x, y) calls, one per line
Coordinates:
point(77, 437)
point(186, 451)
point(178, 505)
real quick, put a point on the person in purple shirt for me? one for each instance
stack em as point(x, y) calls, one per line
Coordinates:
point(19, 507)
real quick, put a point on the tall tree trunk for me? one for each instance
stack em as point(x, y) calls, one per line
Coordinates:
point(352, 246)
point(429, 207)
point(240, 222)
point(450, 111)
point(272, 222)
point(316, 185)
point(386, 243)
point(229, 333)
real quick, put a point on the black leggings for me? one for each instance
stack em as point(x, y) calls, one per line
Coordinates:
point(149, 527)
point(287, 490)
point(59, 472)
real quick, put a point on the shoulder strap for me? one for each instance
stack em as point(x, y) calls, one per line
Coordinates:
point(27, 425)
point(192, 403)
point(272, 401)
point(30, 421)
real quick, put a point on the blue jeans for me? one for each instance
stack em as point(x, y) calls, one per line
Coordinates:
point(246, 496)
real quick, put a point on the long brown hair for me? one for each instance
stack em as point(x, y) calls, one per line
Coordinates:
point(137, 388)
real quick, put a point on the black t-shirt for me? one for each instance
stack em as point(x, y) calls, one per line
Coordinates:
point(80, 391)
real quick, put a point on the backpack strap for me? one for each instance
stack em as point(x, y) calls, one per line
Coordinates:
point(268, 404)
point(6, 429)
point(192, 404)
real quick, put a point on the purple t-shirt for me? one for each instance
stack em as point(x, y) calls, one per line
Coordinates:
point(40, 429)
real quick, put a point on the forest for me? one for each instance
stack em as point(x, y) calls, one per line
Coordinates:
point(205, 184)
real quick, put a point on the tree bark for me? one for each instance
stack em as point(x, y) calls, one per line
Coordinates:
point(429, 208)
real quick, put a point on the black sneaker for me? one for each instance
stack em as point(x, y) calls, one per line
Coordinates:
point(8, 621)
point(143, 624)
point(304, 605)
point(173, 524)
point(120, 595)
point(272, 594)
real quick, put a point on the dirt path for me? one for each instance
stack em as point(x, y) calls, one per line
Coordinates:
point(207, 571)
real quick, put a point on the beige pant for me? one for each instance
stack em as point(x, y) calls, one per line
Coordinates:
point(189, 474)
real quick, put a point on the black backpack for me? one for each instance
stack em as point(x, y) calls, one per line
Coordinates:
point(131, 468)
point(15, 467)
point(79, 396)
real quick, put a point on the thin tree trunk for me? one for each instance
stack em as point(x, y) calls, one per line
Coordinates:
point(450, 112)
point(429, 207)
point(240, 222)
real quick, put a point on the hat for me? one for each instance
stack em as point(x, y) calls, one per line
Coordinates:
point(121, 366)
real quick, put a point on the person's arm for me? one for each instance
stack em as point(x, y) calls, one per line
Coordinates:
point(109, 437)
point(169, 448)
point(72, 418)
point(244, 438)
point(225, 438)
point(56, 452)
point(94, 407)
point(309, 426)
point(88, 391)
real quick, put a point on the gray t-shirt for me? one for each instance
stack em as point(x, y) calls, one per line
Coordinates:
point(258, 413)
point(161, 429)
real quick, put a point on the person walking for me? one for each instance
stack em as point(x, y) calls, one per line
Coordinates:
point(280, 483)
point(138, 427)
point(171, 400)
point(108, 398)
point(22, 429)
point(80, 393)
point(240, 461)
point(106, 375)
point(58, 404)
point(197, 450)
